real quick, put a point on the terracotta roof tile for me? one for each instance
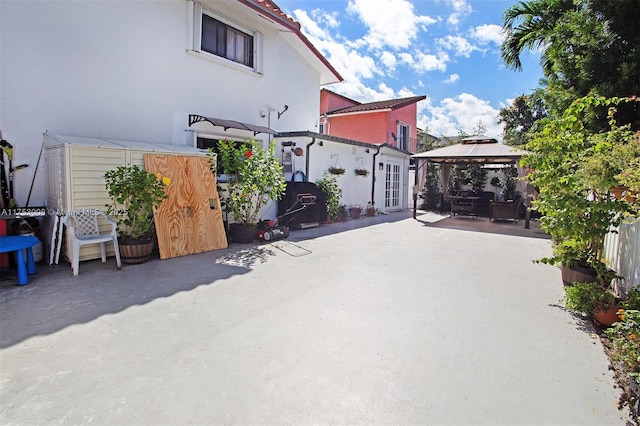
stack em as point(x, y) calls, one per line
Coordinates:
point(270, 9)
point(275, 9)
point(380, 105)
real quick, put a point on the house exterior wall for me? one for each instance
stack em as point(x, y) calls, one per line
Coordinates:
point(356, 190)
point(121, 70)
point(370, 127)
point(330, 101)
point(406, 115)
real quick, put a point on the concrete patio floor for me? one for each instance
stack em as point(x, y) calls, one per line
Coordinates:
point(384, 320)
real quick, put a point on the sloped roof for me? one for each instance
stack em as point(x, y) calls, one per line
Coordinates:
point(473, 150)
point(343, 141)
point(269, 9)
point(379, 105)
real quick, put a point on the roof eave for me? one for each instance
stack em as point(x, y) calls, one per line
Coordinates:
point(333, 76)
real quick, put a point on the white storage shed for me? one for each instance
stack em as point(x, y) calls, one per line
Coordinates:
point(75, 168)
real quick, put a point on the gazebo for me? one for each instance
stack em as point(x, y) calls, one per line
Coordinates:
point(471, 150)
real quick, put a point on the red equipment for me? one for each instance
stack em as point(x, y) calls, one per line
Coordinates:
point(269, 230)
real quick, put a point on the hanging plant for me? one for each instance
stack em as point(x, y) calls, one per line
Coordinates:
point(336, 170)
point(361, 172)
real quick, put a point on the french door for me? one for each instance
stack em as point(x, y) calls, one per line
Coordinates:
point(392, 186)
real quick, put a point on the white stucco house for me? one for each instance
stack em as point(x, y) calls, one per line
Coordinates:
point(151, 72)
point(385, 187)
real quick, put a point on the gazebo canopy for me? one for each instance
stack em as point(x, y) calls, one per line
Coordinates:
point(472, 150)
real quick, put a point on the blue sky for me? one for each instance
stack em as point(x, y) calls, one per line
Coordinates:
point(448, 50)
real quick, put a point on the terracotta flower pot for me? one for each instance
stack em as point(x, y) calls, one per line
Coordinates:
point(606, 315)
point(355, 213)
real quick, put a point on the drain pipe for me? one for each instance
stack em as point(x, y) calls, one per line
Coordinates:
point(313, 140)
point(373, 179)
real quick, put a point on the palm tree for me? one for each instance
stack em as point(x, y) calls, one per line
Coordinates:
point(529, 26)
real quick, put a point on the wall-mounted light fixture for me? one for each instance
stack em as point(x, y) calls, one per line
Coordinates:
point(320, 143)
point(366, 150)
point(286, 107)
point(380, 166)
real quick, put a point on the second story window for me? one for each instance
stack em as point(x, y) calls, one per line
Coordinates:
point(403, 136)
point(219, 39)
point(226, 41)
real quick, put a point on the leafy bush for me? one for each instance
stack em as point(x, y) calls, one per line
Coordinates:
point(134, 194)
point(255, 177)
point(625, 339)
point(332, 192)
point(583, 297)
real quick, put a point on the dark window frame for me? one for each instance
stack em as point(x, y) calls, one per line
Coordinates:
point(226, 41)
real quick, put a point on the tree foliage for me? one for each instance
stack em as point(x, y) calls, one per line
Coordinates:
point(522, 118)
point(577, 207)
point(587, 47)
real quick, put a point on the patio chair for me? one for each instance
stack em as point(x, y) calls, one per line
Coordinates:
point(505, 211)
point(83, 229)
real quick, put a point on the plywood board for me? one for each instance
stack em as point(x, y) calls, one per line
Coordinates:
point(189, 221)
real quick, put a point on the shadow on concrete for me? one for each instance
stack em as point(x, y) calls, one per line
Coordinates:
point(351, 224)
point(481, 224)
point(54, 299)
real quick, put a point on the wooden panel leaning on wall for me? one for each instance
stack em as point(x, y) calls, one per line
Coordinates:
point(189, 221)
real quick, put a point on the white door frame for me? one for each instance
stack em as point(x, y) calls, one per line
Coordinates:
point(393, 186)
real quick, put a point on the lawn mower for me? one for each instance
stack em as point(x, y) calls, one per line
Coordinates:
point(269, 230)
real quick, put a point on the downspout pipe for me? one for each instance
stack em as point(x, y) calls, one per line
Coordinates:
point(373, 179)
point(306, 169)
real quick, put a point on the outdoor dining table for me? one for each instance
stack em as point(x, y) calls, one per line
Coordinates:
point(19, 244)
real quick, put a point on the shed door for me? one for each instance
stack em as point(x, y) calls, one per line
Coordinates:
point(190, 220)
point(392, 186)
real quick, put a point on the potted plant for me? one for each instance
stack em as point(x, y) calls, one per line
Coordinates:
point(624, 344)
point(577, 209)
point(332, 192)
point(335, 170)
point(592, 299)
point(254, 177)
point(371, 211)
point(508, 182)
point(342, 213)
point(361, 172)
point(134, 194)
point(355, 211)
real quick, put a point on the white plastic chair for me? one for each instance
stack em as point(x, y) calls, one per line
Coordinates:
point(83, 229)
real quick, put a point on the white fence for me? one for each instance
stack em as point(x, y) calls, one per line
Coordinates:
point(622, 253)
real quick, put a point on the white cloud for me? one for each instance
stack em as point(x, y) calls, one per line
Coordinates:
point(422, 62)
point(390, 22)
point(460, 10)
point(462, 112)
point(355, 89)
point(405, 93)
point(309, 25)
point(351, 64)
point(460, 45)
point(489, 33)
point(452, 79)
point(388, 60)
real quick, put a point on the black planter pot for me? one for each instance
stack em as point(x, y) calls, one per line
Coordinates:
point(242, 233)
